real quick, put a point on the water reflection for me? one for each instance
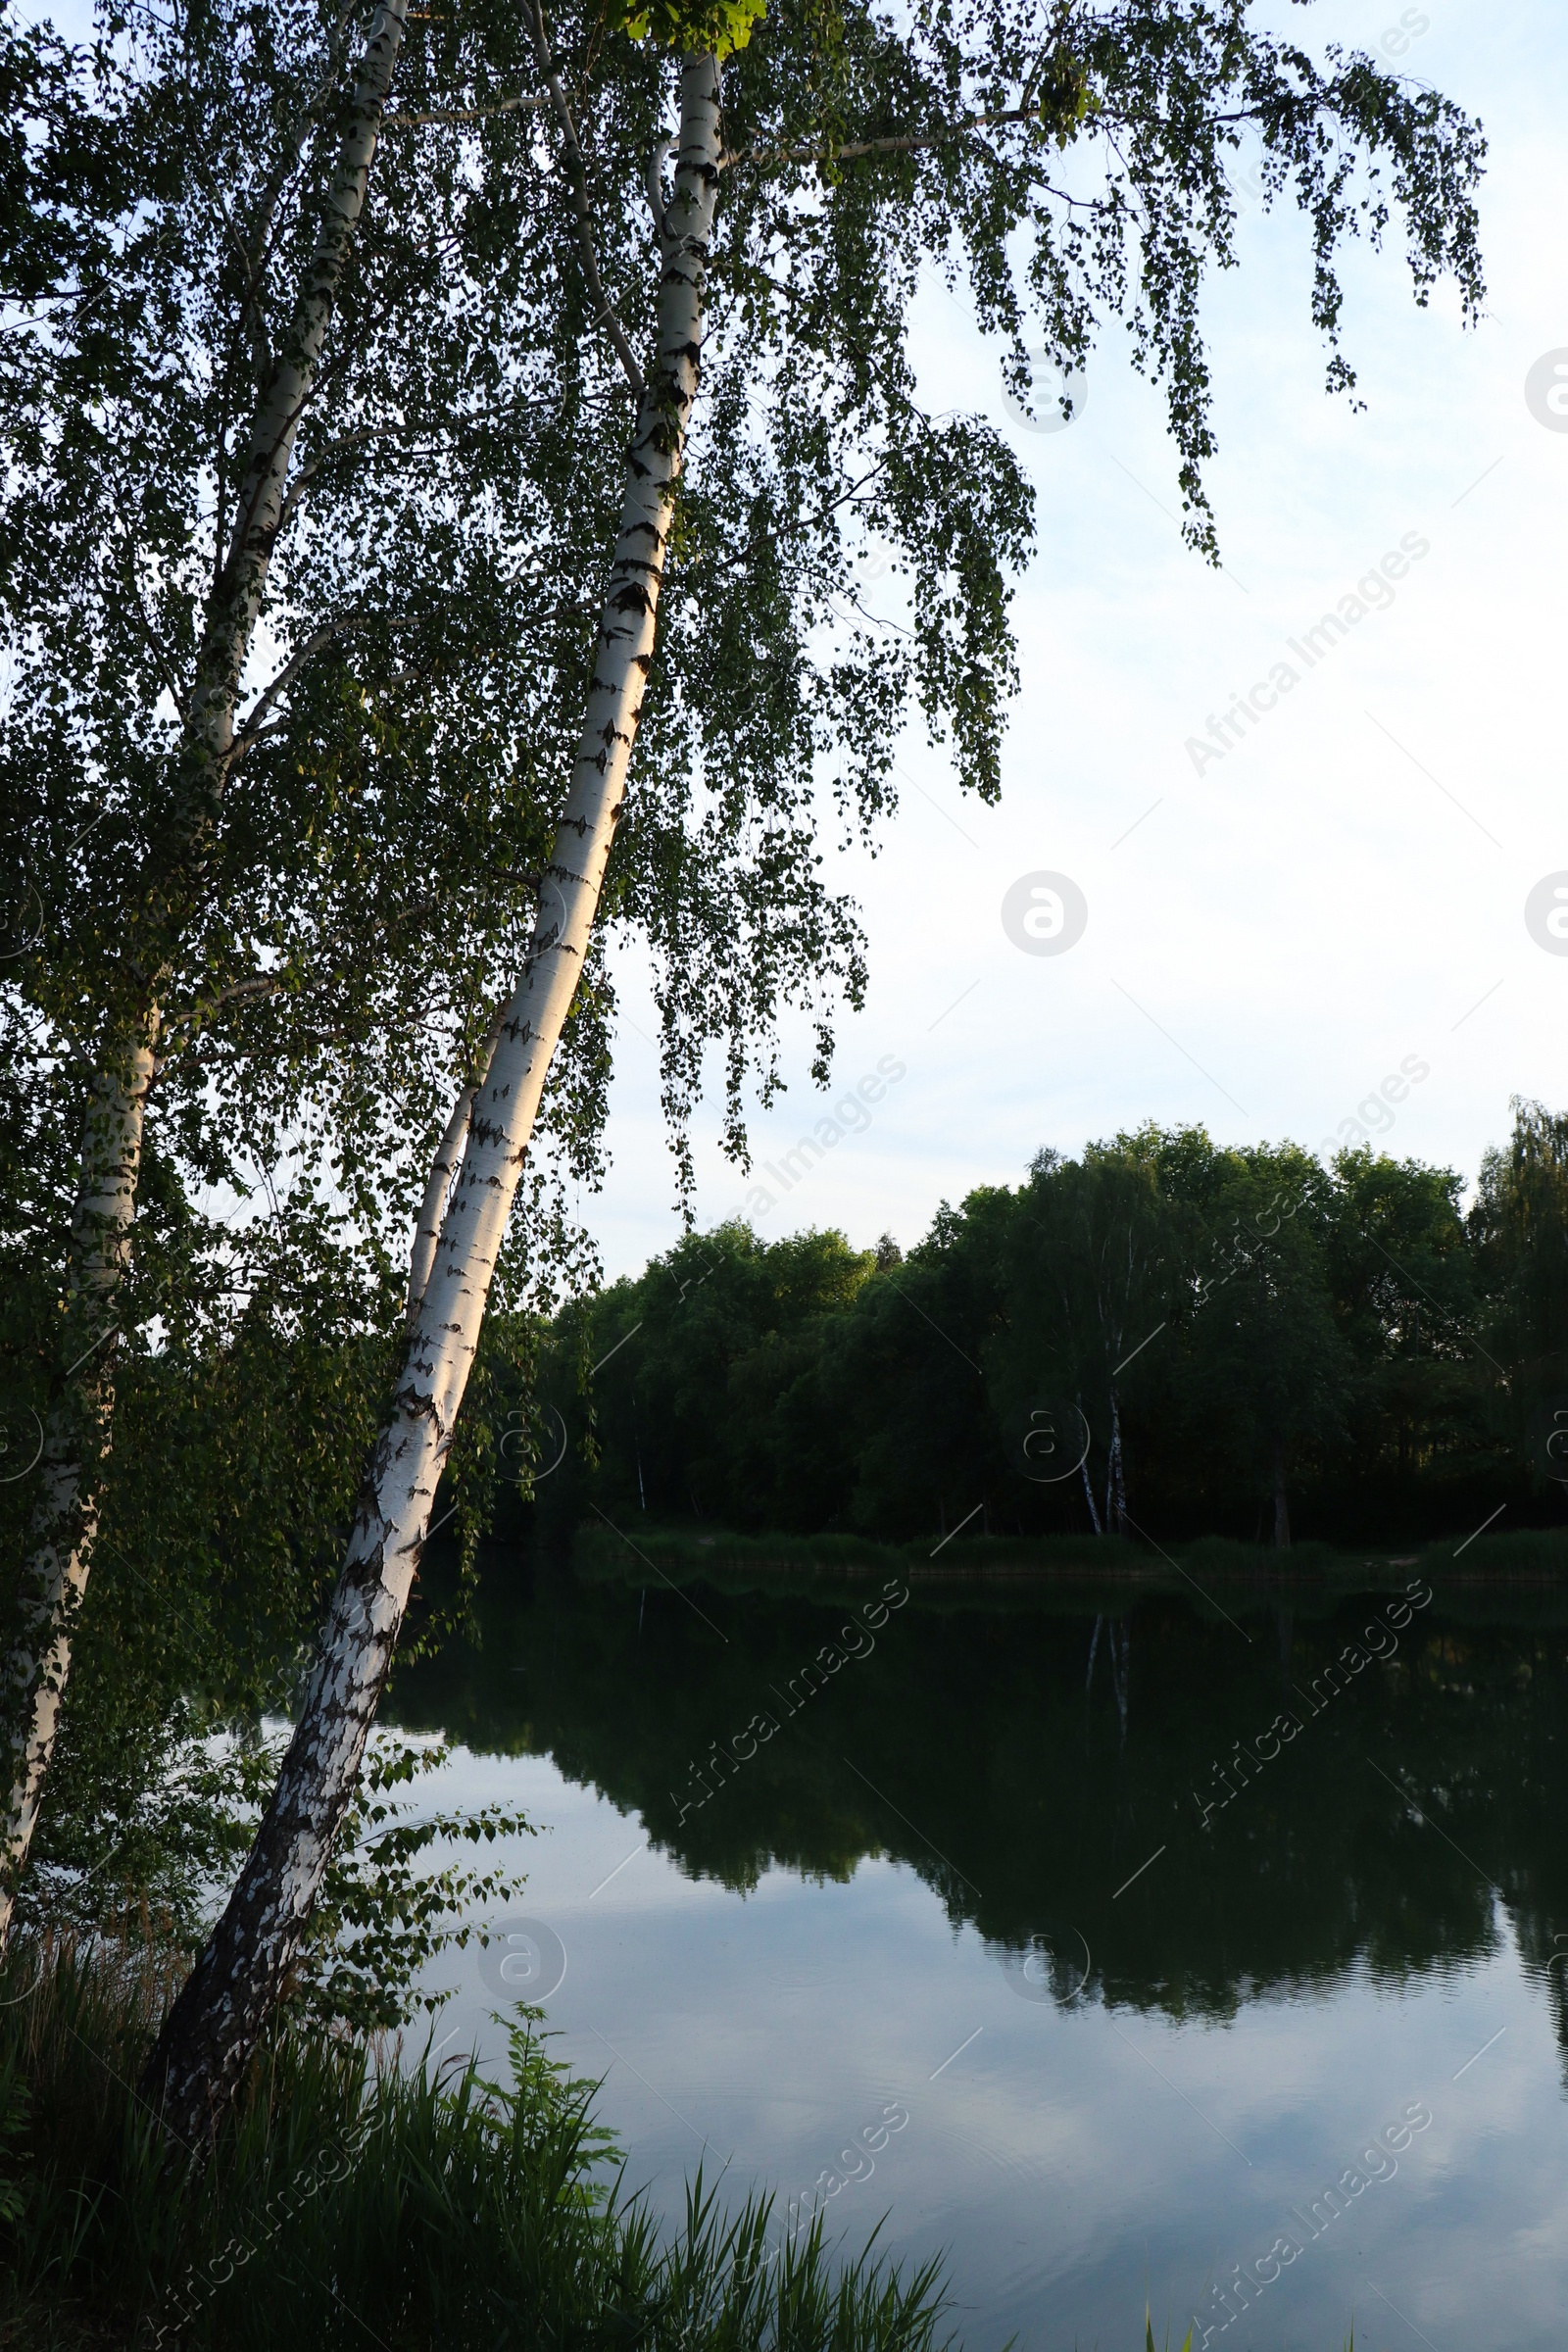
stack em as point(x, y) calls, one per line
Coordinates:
point(1102, 1785)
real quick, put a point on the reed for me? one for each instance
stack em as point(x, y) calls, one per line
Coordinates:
point(356, 2199)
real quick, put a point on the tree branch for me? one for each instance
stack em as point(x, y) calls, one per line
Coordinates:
point(903, 144)
point(462, 114)
point(577, 173)
point(655, 183)
point(250, 728)
point(155, 645)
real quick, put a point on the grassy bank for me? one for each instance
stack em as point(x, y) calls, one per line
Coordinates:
point(1532, 1556)
point(353, 2202)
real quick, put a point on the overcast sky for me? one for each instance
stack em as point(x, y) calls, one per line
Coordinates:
point(1274, 932)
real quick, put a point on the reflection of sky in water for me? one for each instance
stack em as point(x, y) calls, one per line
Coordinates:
point(1073, 2161)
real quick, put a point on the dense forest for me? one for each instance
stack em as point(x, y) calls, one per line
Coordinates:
point(1162, 1335)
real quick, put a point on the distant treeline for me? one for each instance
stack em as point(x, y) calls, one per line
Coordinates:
point(1240, 1341)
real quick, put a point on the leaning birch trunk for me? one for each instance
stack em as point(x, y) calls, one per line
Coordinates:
point(76, 1447)
point(215, 2024)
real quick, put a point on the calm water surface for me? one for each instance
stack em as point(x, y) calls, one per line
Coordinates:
point(959, 1937)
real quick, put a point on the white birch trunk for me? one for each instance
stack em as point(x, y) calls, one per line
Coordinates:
point(210, 721)
point(76, 1442)
point(80, 1431)
point(448, 1158)
point(1115, 1471)
point(1088, 1496)
point(215, 2024)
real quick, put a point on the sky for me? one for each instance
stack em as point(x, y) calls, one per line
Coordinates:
point(1331, 914)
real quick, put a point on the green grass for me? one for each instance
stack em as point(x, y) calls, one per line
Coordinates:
point(353, 2202)
point(694, 1550)
point(1527, 1556)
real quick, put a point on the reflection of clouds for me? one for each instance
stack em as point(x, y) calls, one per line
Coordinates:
point(1058, 2171)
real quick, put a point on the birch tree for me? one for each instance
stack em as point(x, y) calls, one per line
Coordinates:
point(77, 1434)
point(849, 155)
point(325, 951)
point(1095, 1263)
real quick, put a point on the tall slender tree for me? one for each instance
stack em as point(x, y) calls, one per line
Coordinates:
point(204, 753)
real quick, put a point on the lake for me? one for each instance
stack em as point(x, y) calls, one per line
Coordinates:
point(1129, 1945)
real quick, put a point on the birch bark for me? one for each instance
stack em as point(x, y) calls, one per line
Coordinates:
point(75, 1445)
point(208, 742)
point(214, 2026)
point(449, 1153)
point(80, 1428)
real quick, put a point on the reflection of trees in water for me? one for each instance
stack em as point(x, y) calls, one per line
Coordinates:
point(990, 1747)
point(1119, 1646)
